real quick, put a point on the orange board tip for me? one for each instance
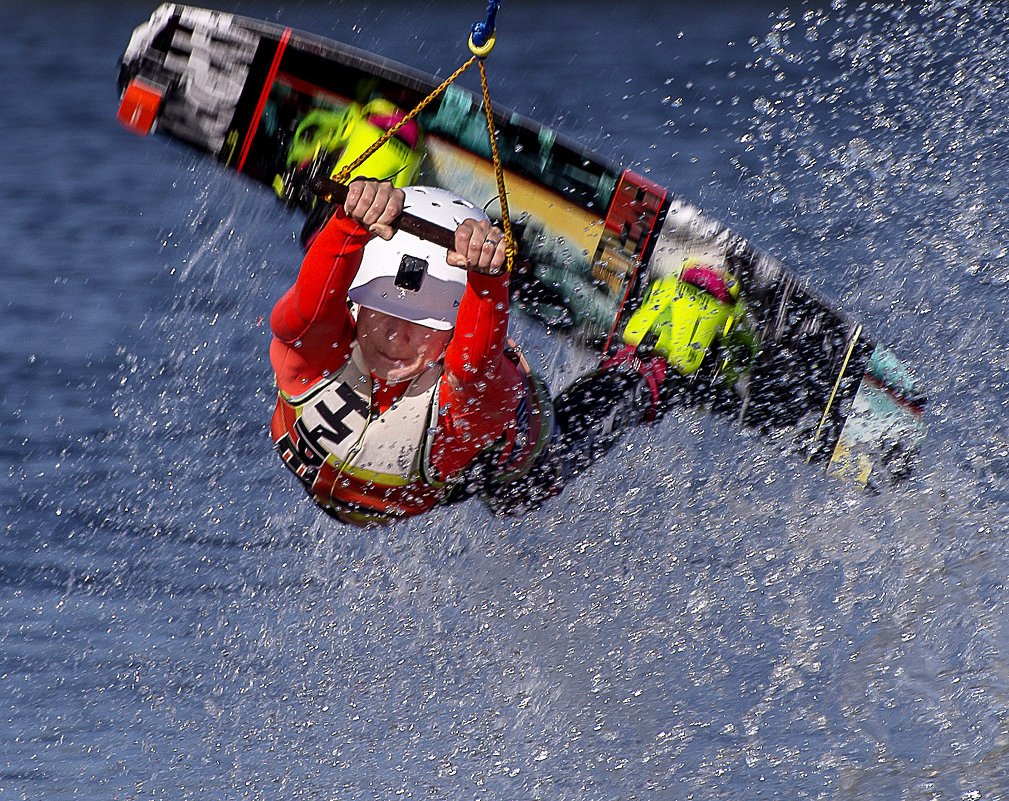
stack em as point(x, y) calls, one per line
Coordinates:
point(139, 107)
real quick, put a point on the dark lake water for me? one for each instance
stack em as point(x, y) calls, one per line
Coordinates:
point(700, 616)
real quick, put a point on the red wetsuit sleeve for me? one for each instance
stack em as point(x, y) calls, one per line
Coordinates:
point(312, 326)
point(482, 387)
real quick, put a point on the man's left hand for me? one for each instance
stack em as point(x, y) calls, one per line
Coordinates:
point(480, 247)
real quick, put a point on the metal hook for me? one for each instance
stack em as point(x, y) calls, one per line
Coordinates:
point(482, 32)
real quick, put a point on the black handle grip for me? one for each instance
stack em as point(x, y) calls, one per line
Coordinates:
point(335, 192)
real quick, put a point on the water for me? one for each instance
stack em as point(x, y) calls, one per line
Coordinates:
point(701, 615)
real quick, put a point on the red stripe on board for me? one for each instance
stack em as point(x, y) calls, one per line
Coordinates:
point(616, 319)
point(281, 46)
point(911, 406)
point(638, 182)
point(309, 88)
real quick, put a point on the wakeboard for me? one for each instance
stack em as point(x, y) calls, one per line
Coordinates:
point(603, 253)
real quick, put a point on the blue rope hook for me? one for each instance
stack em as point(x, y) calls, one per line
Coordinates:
point(483, 31)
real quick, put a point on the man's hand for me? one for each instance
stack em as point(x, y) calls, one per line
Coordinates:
point(375, 205)
point(480, 247)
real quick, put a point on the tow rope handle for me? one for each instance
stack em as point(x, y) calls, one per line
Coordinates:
point(481, 42)
point(336, 192)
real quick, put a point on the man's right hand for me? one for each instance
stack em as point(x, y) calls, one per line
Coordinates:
point(375, 205)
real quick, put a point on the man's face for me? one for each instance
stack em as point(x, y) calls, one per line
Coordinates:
point(395, 349)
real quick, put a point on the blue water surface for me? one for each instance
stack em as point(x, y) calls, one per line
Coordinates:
point(702, 615)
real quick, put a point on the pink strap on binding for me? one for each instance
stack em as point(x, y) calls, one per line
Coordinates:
point(709, 279)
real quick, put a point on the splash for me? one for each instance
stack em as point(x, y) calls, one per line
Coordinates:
point(878, 150)
point(889, 116)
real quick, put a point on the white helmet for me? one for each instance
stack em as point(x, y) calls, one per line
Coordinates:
point(410, 278)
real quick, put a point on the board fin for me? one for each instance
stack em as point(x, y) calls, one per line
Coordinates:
point(883, 430)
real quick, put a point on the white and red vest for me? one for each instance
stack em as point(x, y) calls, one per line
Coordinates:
point(364, 465)
point(370, 467)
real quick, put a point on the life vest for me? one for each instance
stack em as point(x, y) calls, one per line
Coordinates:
point(360, 464)
point(365, 467)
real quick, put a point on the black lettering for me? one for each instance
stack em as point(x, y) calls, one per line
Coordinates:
point(295, 463)
point(352, 402)
point(310, 446)
point(307, 449)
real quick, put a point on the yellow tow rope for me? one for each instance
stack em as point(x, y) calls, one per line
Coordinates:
point(479, 54)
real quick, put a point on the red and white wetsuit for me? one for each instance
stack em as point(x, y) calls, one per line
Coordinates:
point(369, 450)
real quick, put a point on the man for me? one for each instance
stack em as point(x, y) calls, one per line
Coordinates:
point(384, 415)
point(418, 400)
